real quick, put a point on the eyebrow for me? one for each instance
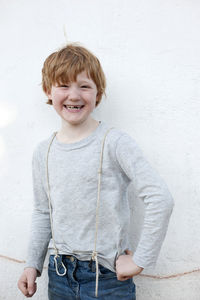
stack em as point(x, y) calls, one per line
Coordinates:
point(85, 81)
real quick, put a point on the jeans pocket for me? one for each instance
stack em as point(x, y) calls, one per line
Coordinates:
point(105, 272)
point(51, 265)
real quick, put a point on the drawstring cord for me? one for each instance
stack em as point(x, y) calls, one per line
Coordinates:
point(94, 257)
point(94, 253)
point(51, 219)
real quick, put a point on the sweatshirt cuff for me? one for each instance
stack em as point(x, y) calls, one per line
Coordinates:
point(32, 265)
point(142, 263)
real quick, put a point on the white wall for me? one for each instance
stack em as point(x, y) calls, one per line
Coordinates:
point(150, 52)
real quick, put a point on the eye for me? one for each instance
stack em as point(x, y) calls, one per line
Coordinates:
point(62, 85)
point(85, 86)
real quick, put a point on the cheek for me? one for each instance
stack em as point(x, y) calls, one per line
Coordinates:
point(57, 99)
point(57, 105)
point(91, 98)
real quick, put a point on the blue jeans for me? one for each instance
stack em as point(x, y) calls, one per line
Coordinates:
point(79, 282)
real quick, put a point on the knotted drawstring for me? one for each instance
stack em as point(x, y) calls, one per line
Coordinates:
point(94, 253)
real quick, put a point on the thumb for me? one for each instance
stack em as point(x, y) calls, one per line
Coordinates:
point(31, 285)
point(128, 252)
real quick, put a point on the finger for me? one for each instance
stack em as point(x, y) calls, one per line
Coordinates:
point(23, 287)
point(129, 252)
point(32, 289)
point(126, 278)
point(122, 278)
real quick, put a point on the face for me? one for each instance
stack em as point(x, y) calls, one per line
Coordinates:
point(81, 93)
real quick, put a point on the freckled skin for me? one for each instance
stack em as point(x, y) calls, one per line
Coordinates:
point(81, 92)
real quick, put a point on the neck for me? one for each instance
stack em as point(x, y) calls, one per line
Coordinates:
point(70, 133)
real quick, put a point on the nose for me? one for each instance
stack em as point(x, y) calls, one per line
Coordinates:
point(73, 93)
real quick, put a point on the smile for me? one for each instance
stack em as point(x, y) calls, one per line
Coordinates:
point(73, 108)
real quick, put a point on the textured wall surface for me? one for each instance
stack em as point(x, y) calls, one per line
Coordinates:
point(150, 52)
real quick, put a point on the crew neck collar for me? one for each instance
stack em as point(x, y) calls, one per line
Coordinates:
point(83, 141)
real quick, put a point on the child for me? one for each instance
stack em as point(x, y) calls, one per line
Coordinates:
point(80, 178)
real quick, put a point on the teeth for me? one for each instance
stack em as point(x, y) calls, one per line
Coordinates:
point(72, 107)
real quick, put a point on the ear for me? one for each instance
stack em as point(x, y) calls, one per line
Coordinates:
point(48, 95)
point(97, 98)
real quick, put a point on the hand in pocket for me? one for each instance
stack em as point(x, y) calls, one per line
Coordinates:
point(126, 267)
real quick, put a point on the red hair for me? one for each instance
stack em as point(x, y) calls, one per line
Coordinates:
point(64, 65)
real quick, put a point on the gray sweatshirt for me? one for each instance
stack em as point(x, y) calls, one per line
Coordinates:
point(73, 180)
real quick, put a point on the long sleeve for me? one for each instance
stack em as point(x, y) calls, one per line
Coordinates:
point(152, 189)
point(40, 224)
